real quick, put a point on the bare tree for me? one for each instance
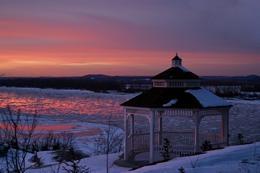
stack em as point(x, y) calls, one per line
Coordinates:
point(74, 166)
point(17, 131)
point(194, 162)
point(109, 141)
point(66, 140)
point(56, 169)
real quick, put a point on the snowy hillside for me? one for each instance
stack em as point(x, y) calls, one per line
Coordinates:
point(233, 159)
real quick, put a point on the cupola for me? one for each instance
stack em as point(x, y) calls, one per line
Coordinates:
point(176, 77)
point(176, 61)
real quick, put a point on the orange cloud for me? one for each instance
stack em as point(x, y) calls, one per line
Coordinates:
point(82, 43)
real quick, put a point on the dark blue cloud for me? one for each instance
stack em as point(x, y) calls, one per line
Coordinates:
point(185, 25)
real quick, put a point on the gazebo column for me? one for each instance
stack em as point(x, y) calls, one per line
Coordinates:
point(126, 154)
point(152, 126)
point(225, 127)
point(160, 129)
point(132, 132)
point(196, 133)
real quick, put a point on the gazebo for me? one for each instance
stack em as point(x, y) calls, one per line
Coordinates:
point(176, 92)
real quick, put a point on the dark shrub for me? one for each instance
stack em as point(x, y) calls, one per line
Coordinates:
point(3, 150)
point(181, 170)
point(240, 138)
point(69, 155)
point(36, 160)
point(206, 146)
point(166, 149)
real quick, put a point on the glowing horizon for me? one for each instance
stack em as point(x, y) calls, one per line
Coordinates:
point(50, 38)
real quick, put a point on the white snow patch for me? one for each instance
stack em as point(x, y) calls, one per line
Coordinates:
point(207, 99)
point(170, 103)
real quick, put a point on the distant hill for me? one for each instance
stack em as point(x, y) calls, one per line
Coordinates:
point(97, 76)
point(101, 82)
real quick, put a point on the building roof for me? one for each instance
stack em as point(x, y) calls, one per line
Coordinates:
point(176, 57)
point(176, 98)
point(178, 72)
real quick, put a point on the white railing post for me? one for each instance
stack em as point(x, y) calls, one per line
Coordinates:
point(225, 127)
point(125, 136)
point(196, 132)
point(160, 128)
point(151, 150)
point(132, 132)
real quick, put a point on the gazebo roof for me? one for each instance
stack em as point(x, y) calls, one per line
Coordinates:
point(184, 95)
point(178, 72)
point(177, 98)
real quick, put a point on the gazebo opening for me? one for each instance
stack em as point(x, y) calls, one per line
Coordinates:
point(178, 109)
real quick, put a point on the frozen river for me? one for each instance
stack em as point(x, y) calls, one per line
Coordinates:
point(61, 111)
point(62, 102)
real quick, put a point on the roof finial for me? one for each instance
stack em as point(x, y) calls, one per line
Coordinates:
point(176, 53)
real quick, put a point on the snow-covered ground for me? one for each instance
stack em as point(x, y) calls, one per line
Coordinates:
point(96, 164)
point(235, 159)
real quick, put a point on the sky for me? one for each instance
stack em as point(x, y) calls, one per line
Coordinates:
point(128, 37)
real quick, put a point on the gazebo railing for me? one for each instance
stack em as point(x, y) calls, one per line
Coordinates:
point(179, 140)
point(178, 150)
point(141, 142)
point(182, 142)
point(179, 137)
point(214, 138)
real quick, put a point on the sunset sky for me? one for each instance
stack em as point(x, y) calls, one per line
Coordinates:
point(128, 37)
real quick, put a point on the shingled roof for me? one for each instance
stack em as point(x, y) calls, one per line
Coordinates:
point(176, 98)
point(157, 97)
point(176, 73)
